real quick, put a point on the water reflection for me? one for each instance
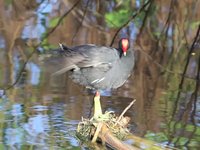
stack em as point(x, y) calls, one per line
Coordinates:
point(43, 127)
point(35, 73)
point(14, 133)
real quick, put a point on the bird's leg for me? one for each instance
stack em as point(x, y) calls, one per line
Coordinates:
point(97, 105)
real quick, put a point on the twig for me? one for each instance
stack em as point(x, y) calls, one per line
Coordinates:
point(125, 110)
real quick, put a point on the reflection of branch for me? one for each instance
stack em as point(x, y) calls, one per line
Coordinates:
point(189, 55)
point(158, 64)
point(169, 16)
point(197, 38)
point(145, 18)
point(192, 105)
point(196, 92)
point(21, 71)
point(194, 99)
point(125, 24)
point(162, 67)
point(77, 29)
point(185, 69)
point(167, 23)
point(61, 18)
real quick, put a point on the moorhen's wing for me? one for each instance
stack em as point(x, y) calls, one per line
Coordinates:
point(96, 55)
point(84, 56)
point(90, 76)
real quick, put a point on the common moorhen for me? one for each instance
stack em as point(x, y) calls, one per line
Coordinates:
point(96, 67)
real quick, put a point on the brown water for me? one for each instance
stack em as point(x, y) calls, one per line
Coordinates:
point(38, 113)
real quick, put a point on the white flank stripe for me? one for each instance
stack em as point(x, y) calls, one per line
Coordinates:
point(95, 81)
point(101, 79)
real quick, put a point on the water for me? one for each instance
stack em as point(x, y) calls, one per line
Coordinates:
point(38, 112)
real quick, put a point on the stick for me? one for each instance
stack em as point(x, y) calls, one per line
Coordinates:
point(120, 117)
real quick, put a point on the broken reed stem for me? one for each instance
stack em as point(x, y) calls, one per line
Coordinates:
point(120, 117)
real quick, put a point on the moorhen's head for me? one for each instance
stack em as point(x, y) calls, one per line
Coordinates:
point(124, 46)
